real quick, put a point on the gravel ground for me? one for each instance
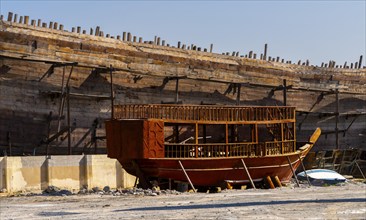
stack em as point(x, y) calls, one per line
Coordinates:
point(347, 201)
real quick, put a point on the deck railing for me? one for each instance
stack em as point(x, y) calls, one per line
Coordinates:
point(204, 113)
point(228, 150)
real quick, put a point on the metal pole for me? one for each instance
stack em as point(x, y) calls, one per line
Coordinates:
point(248, 174)
point(185, 173)
point(112, 94)
point(293, 171)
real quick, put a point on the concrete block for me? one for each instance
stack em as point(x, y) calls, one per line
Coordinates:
point(66, 172)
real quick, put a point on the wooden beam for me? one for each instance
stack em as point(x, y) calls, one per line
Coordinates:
point(293, 171)
point(247, 172)
point(185, 173)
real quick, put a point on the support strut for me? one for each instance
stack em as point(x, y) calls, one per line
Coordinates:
point(293, 171)
point(248, 174)
point(185, 173)
point(303, 167)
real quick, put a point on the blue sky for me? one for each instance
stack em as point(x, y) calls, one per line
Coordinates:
point(316, 30)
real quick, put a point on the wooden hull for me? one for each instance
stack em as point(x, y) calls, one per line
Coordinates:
point(216, 171)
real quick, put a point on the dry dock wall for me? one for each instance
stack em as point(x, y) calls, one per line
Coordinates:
point(34, 173)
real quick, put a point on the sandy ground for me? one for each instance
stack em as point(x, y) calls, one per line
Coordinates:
point(332, 202)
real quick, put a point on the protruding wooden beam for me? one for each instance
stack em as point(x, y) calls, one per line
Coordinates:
point(97, 31)
point(10, 16)
point(129, 36)
point(360, 62)
point(15, 18)
point(26, 19)
point(265, 52)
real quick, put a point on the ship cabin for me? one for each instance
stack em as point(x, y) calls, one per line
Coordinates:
point(200, 131)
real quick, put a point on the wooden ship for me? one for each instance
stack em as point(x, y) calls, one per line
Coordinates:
point(55, 86)
point(222, 145)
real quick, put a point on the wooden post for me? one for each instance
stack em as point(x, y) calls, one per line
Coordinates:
point(293, 171)
point(10, 16)
point(248, 174)
point(97, 30)
point(55, 25)
point(238, 93)
point(15, 18)
point(26, 20)
point(9, 142)
point(196, 138)
point(337, 118)
point(20, 19)
point(176, 90)
point(78, 29)
point(68, 121)
point(112, 94)
point(284, 92)
point(124, 36)
point(211, 47)
point(250, 54)
point(360, 62)
point(33, 23)
point(39, 22)
point(265, 52)
point(62, 100)
point(227, 139)
point(129, 36)
point(185, 173)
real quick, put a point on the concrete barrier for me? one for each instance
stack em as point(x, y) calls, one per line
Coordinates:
point(34, 173)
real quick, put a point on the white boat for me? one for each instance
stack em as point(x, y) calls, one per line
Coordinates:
point(322, 176)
